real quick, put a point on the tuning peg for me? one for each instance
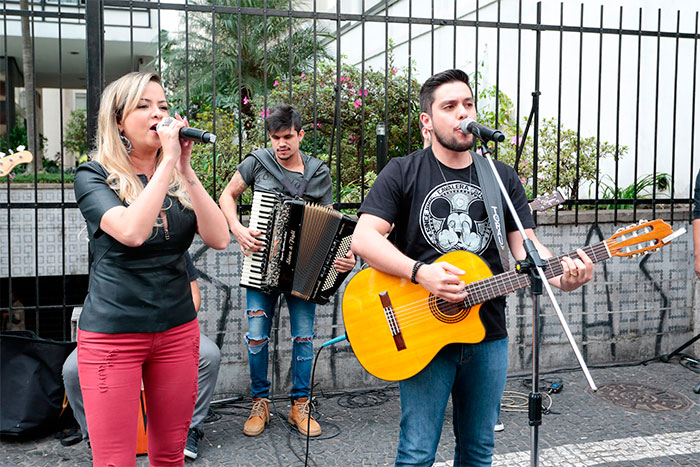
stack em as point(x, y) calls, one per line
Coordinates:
point(11, 151)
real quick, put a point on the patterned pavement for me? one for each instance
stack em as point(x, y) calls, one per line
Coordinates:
point(653, 420)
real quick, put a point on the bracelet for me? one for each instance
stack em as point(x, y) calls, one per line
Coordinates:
point(415, 271)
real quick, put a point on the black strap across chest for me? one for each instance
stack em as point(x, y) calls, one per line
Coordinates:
point(267, 158)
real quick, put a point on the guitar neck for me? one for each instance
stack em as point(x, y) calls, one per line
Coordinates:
point(510, 281)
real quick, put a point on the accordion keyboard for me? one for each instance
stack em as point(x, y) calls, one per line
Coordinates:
point(252, 273)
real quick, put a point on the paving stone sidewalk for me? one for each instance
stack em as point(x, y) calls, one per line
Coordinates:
point(656, 427)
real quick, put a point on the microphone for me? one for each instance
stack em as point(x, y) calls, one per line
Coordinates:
point(193, 134)
point(484, 133)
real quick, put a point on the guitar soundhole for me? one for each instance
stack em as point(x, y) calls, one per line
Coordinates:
point(445, 311)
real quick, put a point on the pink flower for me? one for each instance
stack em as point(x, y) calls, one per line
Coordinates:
point(357, 103)
point(394, 69)
point(245, 100)
point(303, 75)
point(351, 138)
point(318, 125)
point(362, 92)
point(265, 113)
point(351, 93)
point(344, 79)
point(276, 83)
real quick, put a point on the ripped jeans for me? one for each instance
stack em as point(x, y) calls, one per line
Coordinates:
point(260, 308)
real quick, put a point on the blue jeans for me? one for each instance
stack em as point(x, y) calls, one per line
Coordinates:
point(301, 316)
point(475, 376)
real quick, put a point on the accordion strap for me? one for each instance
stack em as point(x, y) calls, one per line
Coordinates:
point(267, 158)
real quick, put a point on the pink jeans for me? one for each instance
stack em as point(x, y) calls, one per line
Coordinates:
point(111, 367)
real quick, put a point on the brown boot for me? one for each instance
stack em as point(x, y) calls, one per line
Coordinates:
point(259, 417)
point(299, 417)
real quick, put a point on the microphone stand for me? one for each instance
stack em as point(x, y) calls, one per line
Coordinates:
point(533, 265)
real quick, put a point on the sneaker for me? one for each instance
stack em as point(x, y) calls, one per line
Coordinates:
point(299, 417)
point(192, 446)
point(499, 426)
point(259, 417)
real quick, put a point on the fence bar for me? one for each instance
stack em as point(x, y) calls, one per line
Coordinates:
point(64, 298)
point(362, 95)
point(476, 57)
point(617, 120)
point(656, 114)
point(315, 97)
point(94, 27)
point(213, 96)
point(636, 129)
point(578, 119)
point(408, 101)
point(131, 35)
point(561, 49)
point(597, 134)
point(675, 111)
point(692, 119)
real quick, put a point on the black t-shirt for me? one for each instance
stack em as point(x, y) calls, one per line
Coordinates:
point(134, 289)
point(436, 209)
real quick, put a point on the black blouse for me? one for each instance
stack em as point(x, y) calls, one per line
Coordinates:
point(134, 289)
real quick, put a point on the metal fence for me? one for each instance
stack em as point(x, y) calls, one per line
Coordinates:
point(628, 75)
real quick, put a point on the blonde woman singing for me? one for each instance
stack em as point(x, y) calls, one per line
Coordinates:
point(143, 204)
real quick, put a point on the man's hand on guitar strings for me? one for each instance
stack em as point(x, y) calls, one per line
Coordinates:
point(442, 279)
point(576, 272)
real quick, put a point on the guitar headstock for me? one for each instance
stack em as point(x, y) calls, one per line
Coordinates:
point(7, 163)
point(544, 202)
point(641, 238)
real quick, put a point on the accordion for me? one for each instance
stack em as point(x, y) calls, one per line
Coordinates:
point(301, 241)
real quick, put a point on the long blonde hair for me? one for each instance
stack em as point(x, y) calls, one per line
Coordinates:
point(119, 99)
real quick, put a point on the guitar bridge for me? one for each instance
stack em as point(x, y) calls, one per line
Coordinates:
point(391, 321)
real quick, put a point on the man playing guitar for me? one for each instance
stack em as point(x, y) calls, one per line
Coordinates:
point(434, 200)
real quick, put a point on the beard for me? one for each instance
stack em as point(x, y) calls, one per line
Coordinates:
point(450, 141)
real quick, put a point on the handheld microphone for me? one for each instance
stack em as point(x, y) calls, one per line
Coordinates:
point(193, 134)
point(484, 133)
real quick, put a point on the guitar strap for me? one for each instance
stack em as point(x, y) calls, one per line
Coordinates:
point(494, 205)
point(267, 158)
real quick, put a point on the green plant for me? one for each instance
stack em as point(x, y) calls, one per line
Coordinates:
point(192, 66)
point(16, 137)
point(316, 101)
point(641, 189)
point(226, 149)
point(40, 178)
point(362, 108)
point(75, 137)
point(565, 159)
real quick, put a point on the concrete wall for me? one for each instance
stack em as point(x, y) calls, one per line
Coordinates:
point(635, 308)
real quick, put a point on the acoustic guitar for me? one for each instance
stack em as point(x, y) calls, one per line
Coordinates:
point(7, 163)
point(396, 327)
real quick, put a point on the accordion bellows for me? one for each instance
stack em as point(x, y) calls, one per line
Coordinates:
point(300, 243)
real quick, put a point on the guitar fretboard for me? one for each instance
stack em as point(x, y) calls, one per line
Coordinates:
point(510, 281)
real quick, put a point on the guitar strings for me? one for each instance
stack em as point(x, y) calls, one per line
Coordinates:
point(480, 291)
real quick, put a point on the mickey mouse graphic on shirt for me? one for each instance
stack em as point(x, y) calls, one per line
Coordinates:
point(453, 217)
